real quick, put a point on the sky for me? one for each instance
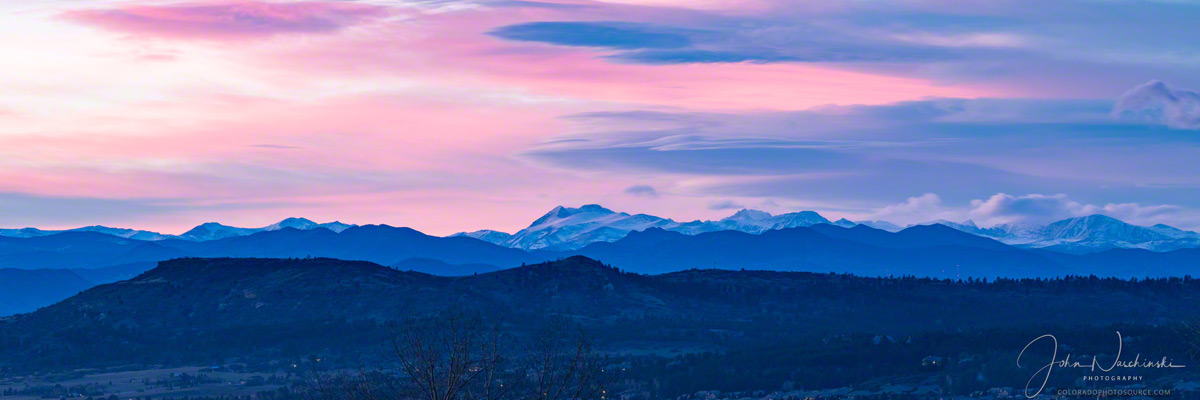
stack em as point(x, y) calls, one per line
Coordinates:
point(448, 115)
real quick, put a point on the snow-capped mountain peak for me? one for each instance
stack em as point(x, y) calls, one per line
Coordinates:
point(797, 219)
point(748, 215)
point(1100, 227)
point(1083, 234)
point(565, 228)
point(297, 223)
point(568, 228)
point(560, 213)
point(214, 230)
point(755, 221)
point(487, 235)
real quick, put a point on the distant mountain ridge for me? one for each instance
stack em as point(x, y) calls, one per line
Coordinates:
point(925, 250)
point(205, 231)
point(565, 228)
point(119, 232)
point(1085, 234)
point(26, 290)
point(213, 230)
point(23, 291)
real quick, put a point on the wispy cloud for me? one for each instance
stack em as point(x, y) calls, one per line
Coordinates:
point(616, 35)
point(956, 148)
point(371, 110)
point(275, 146)
point(1031, 208)
point(725, 205)
point(228, 20)
point(967, 42)
point(720, 41)
point(1039, 208)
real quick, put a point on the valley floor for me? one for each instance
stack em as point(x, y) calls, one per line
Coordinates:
point(157, 383)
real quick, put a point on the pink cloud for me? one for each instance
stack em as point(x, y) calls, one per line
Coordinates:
point(228, 20)
point(410, 122)
point(454, 49)
point(212, 148)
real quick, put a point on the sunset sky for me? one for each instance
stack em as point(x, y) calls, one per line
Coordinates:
point(447, 115)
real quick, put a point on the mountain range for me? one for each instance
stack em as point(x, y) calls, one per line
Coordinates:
point(572, 228)
point(213, 230)
point(933, 250)
point(205, 231)
point(1085, 234)
point(38, 267)
point(567, 228)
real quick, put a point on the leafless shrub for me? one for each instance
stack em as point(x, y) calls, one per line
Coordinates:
point(459, 355)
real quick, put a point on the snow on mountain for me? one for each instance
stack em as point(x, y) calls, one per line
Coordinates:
point(1174, 232)
point(213, 230)
point(755, 221)
point(748, 216)
point(296, 223)
point(205, 231)
point(796, 219)
point(487, 235)
point(881, 225)
point(1085, 234)
point(305, 224)
point(969, 226)
point(1017, 233)
point(1099, 232)
point(565, 228)
point(965, 226)
point(336, 226)
point(876, 225)
point(121, 232)
point(1100, 228)
point(25, 232)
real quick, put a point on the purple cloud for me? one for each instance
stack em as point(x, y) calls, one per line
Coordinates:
point(641, 191)
point(853, 156)
point(1176, 108)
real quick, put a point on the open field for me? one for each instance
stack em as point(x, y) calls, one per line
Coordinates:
point(141, 383)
